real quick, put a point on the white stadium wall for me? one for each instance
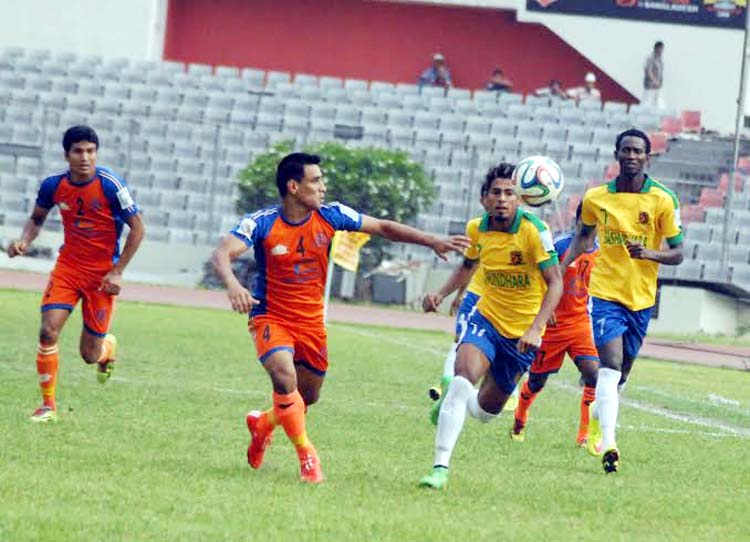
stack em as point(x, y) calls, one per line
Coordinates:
point(110, 28)
point(701, 65)
point(694, 310)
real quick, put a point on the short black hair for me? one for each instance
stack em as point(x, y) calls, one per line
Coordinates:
point(292, 166)
point(76, 134)
point(503, 170)
point(633, 133)
point(579, 210)
point(658, 44)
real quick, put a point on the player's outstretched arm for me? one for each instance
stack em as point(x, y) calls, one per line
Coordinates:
point(582, 241)
point(30, 232)
point(532, 338)
point(671, 256)
point(459, 279)
point(393, 231)
point(112, 281)
point(230, 248)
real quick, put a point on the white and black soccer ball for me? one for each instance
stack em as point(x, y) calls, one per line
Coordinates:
point(538, 180)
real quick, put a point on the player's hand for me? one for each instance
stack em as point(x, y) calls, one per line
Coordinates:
point(241, 299)
point(453, 243)
point(456, 304)
point(111, 283)
point(637, 250)
point(531, 340)
point(17, 248)
point(431, 302)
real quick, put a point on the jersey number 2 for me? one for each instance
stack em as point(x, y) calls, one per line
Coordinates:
point(79, 203)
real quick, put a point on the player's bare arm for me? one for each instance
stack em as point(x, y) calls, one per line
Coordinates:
point(671, 256)
point(456, 303)
point(393, 231)
point(230, 249)
point(459, 279)
point(112, 281)
point(583, 241)
point(30, 232)
point(532, 338)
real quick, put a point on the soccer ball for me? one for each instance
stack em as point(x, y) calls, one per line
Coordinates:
point(538, 180)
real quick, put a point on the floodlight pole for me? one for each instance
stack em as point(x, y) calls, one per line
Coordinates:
point(736, 153)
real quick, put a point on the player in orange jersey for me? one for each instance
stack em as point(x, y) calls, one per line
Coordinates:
point(571, 333)
point(94, 204)
point(291, 243)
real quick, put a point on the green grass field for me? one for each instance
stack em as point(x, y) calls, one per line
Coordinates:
point(159, 452)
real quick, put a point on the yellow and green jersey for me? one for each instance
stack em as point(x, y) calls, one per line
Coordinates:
point(511, 264)
point(476, 286)
point(647, 217)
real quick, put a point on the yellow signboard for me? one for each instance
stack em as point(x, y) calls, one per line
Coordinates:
point(345, 248)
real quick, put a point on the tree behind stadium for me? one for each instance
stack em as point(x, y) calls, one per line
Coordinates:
point(379, 182)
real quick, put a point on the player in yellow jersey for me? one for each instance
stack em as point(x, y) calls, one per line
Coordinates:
point(464, 302)
point(631, 216)
point(522, 286)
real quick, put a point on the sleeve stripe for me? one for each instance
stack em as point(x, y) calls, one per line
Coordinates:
point(552, 260)
point(118, 185)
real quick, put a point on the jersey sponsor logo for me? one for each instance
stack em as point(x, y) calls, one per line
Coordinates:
point(279, 250)
point(321, 240)
point(643, 217)
point(124, 197)
point(516, 257)
point(508, 281)
point(616, 237)
point(96, 205)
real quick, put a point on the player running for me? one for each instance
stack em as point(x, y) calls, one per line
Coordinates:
point(631, 216)
point(568, 332)
point(94, 204)
point(291, 243)
point(465, 300)
point(522, 286)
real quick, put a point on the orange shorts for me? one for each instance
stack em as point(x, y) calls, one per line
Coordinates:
point(578, 344)
point(308, 345)
point(66, 286)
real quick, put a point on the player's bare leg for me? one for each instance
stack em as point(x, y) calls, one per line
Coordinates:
point(100, 350)
point(529, 391)
point(289, 412)
point(604, 417)
point(589, 369)
point(47, 362)
point(309, 384)
point(471, 366)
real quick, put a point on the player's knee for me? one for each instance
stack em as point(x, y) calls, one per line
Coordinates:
point(537, 382)
point(490, 406)
point(283, 378)
point(48, 334)
point(310, 396)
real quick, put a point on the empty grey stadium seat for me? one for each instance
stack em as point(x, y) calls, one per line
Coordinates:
point(689, 270)
point(254, 76)
point(699, 231)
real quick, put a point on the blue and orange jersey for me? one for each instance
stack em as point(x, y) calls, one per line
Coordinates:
point(93, 213)
point(573, 309)
point(292, 259)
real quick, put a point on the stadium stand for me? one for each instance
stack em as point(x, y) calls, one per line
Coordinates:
point(181, 133)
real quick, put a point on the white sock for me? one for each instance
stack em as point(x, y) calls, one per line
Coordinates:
point(476, 410)
point(451, 419)
point(607, 404)
point(450, 362)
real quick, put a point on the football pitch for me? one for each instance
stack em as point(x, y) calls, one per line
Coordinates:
point(158, 453)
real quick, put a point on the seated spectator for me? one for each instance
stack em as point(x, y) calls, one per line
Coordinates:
point(499, 82)
point(437, 75)
point(554, 91)
point(586, 92)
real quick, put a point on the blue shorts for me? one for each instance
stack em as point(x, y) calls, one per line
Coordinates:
point(505, 361)
point(611, 320)
point(464, 311)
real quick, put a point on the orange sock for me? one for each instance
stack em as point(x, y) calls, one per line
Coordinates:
point(289, 410)
point(586, 399)
point(46, 367)
point(106, 351)
point(525, 400)
point(267, 421)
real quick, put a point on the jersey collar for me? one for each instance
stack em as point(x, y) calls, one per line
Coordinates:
point(647, 184)
point(484, 225)
point(69, 176)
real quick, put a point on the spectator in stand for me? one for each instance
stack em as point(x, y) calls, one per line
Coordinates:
point(653, 73)
point(554, 91)
point(498, 82)
point(437, 75)
point(588, 92)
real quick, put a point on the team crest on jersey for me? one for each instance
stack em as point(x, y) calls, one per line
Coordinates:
point(321, 240)
point(279, 250)
point(96, 205)
point(516, 257)
point(643, 217)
